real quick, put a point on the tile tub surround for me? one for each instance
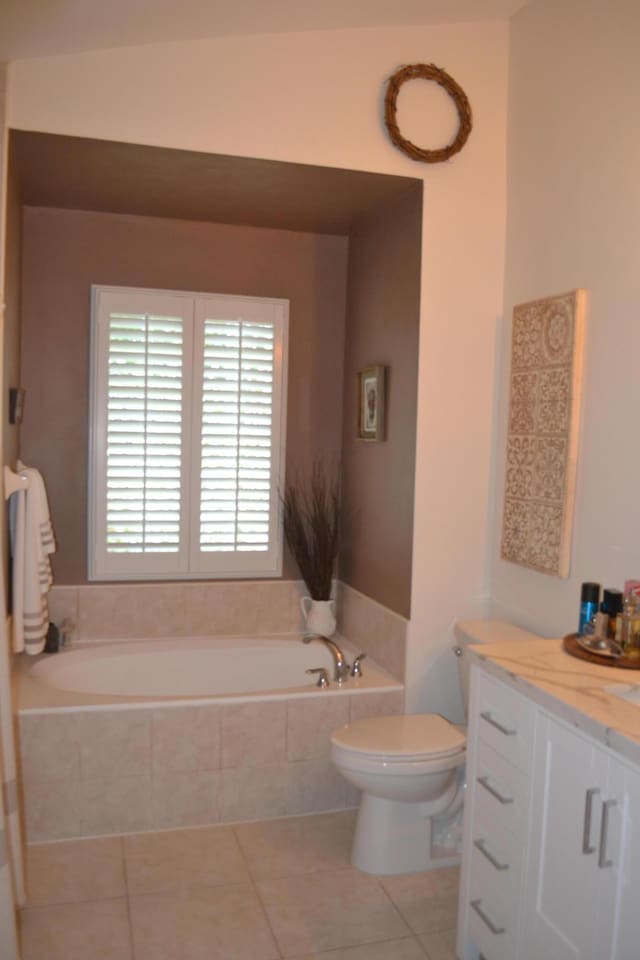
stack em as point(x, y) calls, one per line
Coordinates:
point(129, 611)
point(259, 891)
point(134, 611)
point(380, 632)
point(155, 767)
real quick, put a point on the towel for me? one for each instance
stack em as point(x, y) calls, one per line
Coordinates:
point(32, 543)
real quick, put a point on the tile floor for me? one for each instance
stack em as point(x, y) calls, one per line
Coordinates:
point(254, 891)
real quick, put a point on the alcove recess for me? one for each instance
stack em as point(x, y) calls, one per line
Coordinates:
point(343, 246)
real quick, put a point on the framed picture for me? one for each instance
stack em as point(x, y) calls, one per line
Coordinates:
point(371, 403)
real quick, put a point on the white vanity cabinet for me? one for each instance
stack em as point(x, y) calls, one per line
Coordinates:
point(551, 852)
point(581, 889)
point(624, 783)
point(499, 749)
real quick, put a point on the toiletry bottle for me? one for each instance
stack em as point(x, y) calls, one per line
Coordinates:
point(612, 606)
point(589, 600)
point(629, 627)
point(632, 649)
point(623, 621)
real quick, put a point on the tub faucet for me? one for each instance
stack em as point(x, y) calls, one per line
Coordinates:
point(341, 667)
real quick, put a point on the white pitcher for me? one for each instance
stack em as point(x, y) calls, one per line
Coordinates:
point(319, 616)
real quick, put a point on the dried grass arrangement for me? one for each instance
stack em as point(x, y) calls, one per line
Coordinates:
point(311, 528)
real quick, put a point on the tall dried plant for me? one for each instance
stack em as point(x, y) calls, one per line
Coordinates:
point(311, 515)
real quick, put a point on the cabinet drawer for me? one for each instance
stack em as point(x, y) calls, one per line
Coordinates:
point(505, 721)
point(491, 929)
point(500, 794)
point(496, 871)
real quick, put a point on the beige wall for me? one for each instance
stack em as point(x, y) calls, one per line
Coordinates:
point(383, 316)
point(315, 98)
point(64, 252)
point(8, 931)
point(574, 221)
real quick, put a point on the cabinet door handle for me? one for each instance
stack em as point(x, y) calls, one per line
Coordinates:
point(481, 846)
point(586, 828)
point(603, 860)
point(484, 782)
point(488, 922)
point(508, 731)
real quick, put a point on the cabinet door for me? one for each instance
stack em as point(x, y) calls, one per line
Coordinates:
point(561, 896)
point(622, 858)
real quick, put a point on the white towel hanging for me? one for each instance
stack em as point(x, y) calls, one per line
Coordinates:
point(32, 543)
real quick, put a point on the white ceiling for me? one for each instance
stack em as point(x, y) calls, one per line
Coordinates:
point(35, 28)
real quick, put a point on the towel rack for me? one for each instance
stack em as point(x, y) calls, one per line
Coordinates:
point(14, 482)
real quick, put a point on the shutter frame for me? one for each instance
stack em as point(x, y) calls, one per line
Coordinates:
point(189, 562)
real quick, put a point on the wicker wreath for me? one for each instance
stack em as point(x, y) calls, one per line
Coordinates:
point(427, 71)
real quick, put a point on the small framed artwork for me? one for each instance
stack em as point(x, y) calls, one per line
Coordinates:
point(371, 403)
point(16, 404)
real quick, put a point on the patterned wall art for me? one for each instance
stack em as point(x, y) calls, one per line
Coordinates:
point(542, 438)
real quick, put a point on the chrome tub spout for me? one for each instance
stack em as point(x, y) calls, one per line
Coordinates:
point(340, 665)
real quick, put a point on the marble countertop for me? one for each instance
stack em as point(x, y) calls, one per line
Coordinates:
point(572, 689)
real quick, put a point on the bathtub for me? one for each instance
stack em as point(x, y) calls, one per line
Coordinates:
point(143, 735)
point(196, 668)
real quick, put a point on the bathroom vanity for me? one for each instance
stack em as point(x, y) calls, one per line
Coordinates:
point(551, 849)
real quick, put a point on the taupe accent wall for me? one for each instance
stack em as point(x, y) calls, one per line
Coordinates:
point(383, 315)
point(65, 251)
point(11, 335)
point(10, 342)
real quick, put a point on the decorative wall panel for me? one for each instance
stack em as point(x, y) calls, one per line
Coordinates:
point(542, 438)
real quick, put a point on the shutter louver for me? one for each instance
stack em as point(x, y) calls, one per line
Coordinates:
point(144, 433)
point(237, 436)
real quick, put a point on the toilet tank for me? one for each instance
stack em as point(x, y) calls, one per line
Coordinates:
point(467, 632)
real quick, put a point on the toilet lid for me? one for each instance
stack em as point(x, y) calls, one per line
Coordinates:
point(413, 735)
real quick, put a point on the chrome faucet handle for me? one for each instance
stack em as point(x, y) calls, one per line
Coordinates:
point(356, 669)
point(323, 676)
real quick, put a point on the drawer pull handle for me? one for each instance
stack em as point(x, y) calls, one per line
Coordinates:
point(481, 846)
point(508, 731)
point(485, 919)
point(603, 860)
point(586, 829)
point(484, 782)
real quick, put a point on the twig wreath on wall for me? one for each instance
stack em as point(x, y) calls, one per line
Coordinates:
point(427, 71)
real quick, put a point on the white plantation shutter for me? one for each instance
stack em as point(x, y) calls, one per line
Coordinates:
point(240, 343)
point(187, 445)
point(144, 433)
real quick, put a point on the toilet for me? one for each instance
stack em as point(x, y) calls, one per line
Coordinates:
point(410, 770)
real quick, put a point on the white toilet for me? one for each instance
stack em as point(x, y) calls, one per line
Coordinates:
point(410, 769)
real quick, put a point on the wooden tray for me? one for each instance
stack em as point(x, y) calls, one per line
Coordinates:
point(571, 645)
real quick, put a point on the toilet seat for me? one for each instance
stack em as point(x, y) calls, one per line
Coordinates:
point(405, 744)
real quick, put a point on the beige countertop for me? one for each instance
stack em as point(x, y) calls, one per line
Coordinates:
point(572, 689)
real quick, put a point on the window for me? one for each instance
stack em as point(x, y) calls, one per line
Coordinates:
point(188, 395)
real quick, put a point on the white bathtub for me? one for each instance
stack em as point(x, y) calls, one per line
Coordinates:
point(204, 668)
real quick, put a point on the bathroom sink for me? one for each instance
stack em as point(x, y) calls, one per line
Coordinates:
point(625, 691)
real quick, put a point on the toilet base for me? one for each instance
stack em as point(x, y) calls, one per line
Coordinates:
point(392, 837)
